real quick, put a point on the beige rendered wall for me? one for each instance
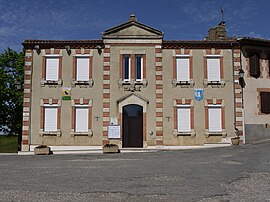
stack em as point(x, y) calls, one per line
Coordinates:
point(94, 93)
point(171, 93)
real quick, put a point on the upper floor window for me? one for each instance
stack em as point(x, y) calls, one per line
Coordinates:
point(254, 66)
point(213, 69)
point(126, 67)
point(82, 69)
point(52, 69)
point(182, 69)
point(139, 67)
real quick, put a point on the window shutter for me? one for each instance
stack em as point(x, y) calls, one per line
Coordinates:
point(214, 119)
point(82, 73)
point(81, 120)
point(52, 69)
point(183, 115)
point(213, 69)
point(50, 119)
point(182, 69)
point(254, 64)
point(265, 102)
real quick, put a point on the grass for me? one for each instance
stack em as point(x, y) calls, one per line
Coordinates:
point(8, 144)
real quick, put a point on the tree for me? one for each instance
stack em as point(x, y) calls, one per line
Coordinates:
point(11, 91)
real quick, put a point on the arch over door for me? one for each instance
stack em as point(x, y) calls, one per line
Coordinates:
point(132, 126)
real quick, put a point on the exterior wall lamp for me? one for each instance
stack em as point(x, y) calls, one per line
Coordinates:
point(241, 78)
point(68, 50)
point(99, 49)
point(37, 48)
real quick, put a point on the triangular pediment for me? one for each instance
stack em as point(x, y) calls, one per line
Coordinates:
point(133, 98)
point(132, 29)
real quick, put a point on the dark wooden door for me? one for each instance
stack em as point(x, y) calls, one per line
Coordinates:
point(132, 126)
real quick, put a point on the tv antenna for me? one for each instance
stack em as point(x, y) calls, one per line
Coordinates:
point(222, 14)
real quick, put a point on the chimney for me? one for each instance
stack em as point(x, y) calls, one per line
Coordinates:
point(218, 33)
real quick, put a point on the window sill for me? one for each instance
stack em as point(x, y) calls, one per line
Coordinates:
point(50, 133)
point(183, 84)
point(89, 133)
point(214, 84)
point(177, 133)
point(132, 85)
point(49, 83)
point(210, 133)
point(84, 84)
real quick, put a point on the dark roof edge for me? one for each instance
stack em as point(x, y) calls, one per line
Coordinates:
point(30, 44)
point(167, 44)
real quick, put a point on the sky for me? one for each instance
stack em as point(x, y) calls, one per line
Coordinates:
point(86, 19)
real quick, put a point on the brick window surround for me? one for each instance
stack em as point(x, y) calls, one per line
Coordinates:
point(220, 83)
point(178, 103)
point(51, 53)
point(87, 53)
point(190, 82)
point(214, 103)
point(259, 101)
point(81, 102)
point(50, 102)
point(132, 84)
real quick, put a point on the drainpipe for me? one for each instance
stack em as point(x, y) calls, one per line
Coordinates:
point(243, 109)
point(234, 123)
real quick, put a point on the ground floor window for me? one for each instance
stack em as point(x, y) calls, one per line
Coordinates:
point(215, 120)
point(183, 119)
point(81, 119)
point(50, 119)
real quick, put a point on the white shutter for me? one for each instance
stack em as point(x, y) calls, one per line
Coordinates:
point(182, 69)
point(52, 69)
point(82, 69)
point(213, 69)
point(183, 115)
point(81, 119)
point(50, 119)
point(214, 117)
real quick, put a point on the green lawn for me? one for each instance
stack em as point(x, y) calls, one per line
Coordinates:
point(8, 144)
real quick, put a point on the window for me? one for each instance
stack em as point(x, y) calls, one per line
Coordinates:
point(254, 65)
point(214, 119)
point(139, 67)
point(213, 69)
point(265, 102)
point(50, 119)
point(52, 69)
point(82, 70)
point(81, 119)
point(126, 67)
point(183, 119)
point(182, 69)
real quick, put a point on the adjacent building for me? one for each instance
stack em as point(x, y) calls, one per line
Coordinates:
point(135, 89)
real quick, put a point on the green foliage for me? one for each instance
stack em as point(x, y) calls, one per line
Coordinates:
point(11, 98)
point(8, 144)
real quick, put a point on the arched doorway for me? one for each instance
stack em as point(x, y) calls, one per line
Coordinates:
point(132, 126)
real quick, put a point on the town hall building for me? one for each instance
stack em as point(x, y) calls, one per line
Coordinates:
point(137, 90)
